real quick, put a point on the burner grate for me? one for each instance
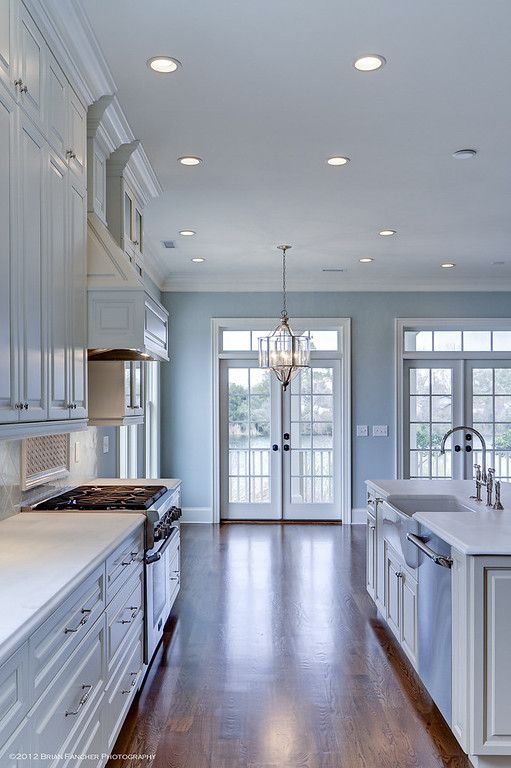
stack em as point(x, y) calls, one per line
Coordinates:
point(105, 497)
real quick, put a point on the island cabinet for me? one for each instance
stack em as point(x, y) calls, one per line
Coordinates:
point(480, 716)
point(43, 208)
point(69, 687)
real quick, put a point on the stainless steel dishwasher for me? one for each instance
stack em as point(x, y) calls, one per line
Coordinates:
point(435, 618)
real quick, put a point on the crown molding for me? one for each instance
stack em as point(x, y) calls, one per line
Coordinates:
point(257, 284)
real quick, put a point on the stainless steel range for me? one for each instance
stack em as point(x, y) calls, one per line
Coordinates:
point(161, 507)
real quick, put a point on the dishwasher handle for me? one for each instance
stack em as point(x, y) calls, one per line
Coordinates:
point(418, 541)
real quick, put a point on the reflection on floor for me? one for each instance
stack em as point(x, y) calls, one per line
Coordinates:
point(274, 658)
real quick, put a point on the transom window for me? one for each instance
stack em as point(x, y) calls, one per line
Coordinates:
point(457, 341)
point(248, 340)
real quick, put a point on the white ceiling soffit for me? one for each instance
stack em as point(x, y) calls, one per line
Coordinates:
point(267, 92)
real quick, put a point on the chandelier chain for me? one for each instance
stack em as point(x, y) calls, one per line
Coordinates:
point(284, 292)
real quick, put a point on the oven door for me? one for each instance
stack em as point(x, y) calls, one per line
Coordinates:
point(158, 590)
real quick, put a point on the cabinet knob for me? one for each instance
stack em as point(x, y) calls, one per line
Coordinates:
point(25, 406)
point(70, 154)
point(24, 89)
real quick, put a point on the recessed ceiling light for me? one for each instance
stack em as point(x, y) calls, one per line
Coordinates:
point(198, 259)
point(190, 160)
point(186, 232)
point(464, 154)
point(338, 160)
point(163, 64)
point(366, 260)
point(387, 232)
point(448, 265)
point(332, 269)
point(369, 63)
point(498, 263)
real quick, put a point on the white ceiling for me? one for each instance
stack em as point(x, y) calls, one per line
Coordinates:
point(267, 92)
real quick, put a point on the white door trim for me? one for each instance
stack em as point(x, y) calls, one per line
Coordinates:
point(343, 325)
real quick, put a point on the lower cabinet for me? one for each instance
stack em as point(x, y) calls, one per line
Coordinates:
point(64, 694)
point(371, 555)
point(400, 601)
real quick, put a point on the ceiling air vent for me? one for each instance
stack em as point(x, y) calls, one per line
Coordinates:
point(332, 269)
point(168, 244)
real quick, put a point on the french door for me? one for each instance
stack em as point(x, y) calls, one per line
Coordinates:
point(440, 394)
point(280, 450)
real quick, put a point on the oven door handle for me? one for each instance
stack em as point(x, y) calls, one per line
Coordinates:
point(149, 559)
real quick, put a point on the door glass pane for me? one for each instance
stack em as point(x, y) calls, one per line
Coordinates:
point(233, 341)
point(323, 340)
point(312, 436)
point(491, 414)
point(430, 409)
point(127, 215)
point(249, 436)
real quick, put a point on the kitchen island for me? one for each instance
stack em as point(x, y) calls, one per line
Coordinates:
point(474, 629)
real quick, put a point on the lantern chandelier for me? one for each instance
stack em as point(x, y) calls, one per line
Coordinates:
point(283, 352)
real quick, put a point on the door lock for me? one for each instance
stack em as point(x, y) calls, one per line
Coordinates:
point(286, 447)
point(286, 435)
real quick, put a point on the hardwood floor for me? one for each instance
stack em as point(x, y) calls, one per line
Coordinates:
point(274, 658)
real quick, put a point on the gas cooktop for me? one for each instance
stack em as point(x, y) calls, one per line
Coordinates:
point(101, 497)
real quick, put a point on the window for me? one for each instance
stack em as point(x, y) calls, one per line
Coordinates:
point(453, 373)
point(248, 340)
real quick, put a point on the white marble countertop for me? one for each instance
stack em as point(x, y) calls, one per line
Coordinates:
point(43, 557)
point(479, 530)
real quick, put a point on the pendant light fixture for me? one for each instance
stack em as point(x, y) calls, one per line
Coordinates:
point(283, 352)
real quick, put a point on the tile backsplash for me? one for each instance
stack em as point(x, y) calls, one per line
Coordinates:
point(92, 462)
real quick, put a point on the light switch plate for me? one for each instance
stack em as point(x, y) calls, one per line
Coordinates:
point(106, 444)
point(362, 430)
point(380, 430)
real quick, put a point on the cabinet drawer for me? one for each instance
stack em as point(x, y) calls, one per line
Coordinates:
point(70, 699)
point(14, 692)
point(86, 748)
point(124, 684)
point(15, 753)
point(124, 611)
point(123, 562)
point(51, 645)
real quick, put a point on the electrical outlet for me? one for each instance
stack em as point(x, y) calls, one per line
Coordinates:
point(106, 444)
point(362, 430)
point(380, 430)
point(77, 452)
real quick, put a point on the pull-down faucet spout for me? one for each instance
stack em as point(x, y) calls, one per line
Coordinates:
point(483, 446)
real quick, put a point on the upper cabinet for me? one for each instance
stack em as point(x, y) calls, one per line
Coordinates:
point(124, 209)
point(43, 295)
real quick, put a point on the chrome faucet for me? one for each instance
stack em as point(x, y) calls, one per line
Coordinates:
point(483, 476)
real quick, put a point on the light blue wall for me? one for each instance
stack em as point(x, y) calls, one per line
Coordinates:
point(186, 380)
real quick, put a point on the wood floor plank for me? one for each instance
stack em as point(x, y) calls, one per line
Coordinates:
point(274, 658)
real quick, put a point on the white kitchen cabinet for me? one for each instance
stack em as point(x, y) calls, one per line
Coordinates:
point(57, 108)
point(32, 301)
point(77, 136)
point(31, 67)
point(78, 297)
point(14, 692)
point(8, 32)
point(58, 283)
point(16, 752)
point(401, 602)
point(8, 259)
point(371, 554)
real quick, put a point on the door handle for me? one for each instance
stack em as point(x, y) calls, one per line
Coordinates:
point(286, 435)
point(286, 447)
point(275, 447)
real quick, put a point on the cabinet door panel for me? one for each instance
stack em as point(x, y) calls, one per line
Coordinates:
point(77, 135)
point(32, 309)
point(8, 261)
point(409, 617)
point(8, 21)
point(78, 301)
point(32, 53)
point(392, 588)
point(57, 108)
point(57, 294)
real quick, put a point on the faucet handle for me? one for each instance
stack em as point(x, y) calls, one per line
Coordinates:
point(477, 468)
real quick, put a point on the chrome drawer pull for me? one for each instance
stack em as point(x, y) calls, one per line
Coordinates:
point(133, 683)
point(83, 700)
point(86, 616)
point(445, 562)
point(134, 610)
point(132, 558)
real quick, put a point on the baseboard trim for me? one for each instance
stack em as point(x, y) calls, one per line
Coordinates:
point(358, 516)
point(197, 515)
